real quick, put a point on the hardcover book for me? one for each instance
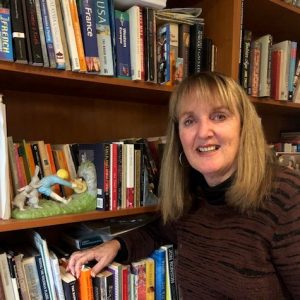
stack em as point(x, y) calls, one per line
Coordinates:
point(122, 45)
point(69, 284)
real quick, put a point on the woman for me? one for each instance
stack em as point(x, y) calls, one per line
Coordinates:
point(232, 212)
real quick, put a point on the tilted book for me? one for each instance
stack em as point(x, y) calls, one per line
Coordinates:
point(6, 49)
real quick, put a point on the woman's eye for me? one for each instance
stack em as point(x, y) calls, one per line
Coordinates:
point(219, 116)
point(188, 122)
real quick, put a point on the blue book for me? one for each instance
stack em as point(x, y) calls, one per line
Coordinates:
point(123, 65)
point(96, 153)
point(6, 48)
point(104, 37)
point(87, 18)
point(159, 257)
point(48, 33)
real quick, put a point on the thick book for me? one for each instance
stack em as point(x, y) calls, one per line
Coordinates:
point(86, 284)
point(245, 57)
point(48, 34)
point(103, 284)
point(56, 275)
point(123, 64)
point(69, 284)
point(87, 17)
point(6, 47)
point(116, 269)
point(163, 54)
point(139, 268)
point(160, 273)
point(150, 278)
point(104, 37)
point(18, 32)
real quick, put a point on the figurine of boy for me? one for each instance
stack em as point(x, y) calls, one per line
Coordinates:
point(45, 184)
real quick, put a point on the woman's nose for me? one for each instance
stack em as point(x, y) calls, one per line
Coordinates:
point(205, 129)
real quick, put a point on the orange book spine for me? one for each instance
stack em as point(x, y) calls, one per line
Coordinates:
point(78, 36)
point(85, 284)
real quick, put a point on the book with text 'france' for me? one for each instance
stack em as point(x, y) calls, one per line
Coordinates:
point(96, 153)
point(104, 37)
point(42, 33)
point(18, 32)
point(123, 65)
point(5, 209)
point(87, 17)
point(136, 41)
point(265, 65)
point(285, 46)
point(48, 34)
point(70, 35)
point(69, 284)
point(56, 35)
point(34, 34)
point(6, 47)
point(78, 34)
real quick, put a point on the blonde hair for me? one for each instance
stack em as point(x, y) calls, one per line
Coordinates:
point(252, 182)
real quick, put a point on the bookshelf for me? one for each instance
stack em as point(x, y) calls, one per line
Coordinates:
point(65, 107)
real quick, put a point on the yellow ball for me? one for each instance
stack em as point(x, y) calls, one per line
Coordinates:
point(62, 173)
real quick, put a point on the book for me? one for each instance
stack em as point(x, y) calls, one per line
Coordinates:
point(160, 273)
point(85, 284)
point(56, 35)
point(196, 48)
point(116, 269)
point(150, 278)
point(6, 47)
point(78, 35)
point(5, 209)
point(184, 47)
point(87, 18)
point(245, 57)
point(136, 41)
point(69, 284)
point(104, 39)
point(103, 284)
point(265, 43)
point(123, 65)
point(113, 177)
point(275, 74)
point(70, 35)
point(125, 282)
point(5, 276)
point(56, 275)
point(42, 33)
point(13, 165)
point(163, 54)
point(18, 32)
point(48, 34)
point(292, 70)
point(36, 58)
point(43, 156)
point(254, 69)
point(139, 268)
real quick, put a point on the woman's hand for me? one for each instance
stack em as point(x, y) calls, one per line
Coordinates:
point(104, 254)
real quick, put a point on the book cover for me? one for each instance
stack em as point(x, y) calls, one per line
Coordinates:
point(34, 34)
point(196, 48)
point(160, 273)
point(123, 64)
point(6, 48)
point(42, 33)
point(85, 284)
point(163, 54)
point(184, 47)
point(136, 43)
point(70, 35)
point(104, 37)
point(18, 32)
point(139, 268)
point(87, 17)
point(48, 34)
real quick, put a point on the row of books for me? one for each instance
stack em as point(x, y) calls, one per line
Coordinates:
point(138, 43)
point(293, 2)
point(127, 170)
point(36, 271)
point(270, 69)
point(289, 142)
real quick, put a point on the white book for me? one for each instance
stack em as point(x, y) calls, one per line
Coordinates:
point(129, 175)
point(57, 42)
point(265, 65)
point(5, 209)
point(5, 277)
point(136, 49)
point(56, 275)
point(285, 46)
point(70, 35)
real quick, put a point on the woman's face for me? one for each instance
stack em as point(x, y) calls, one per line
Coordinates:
point(210, 136)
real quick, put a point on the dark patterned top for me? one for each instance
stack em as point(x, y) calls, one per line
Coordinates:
point(222, 254)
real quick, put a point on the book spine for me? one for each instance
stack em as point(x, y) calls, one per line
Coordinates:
point(6, 48)
point(163, 52)
point(106, 175)
point(196, 48)
point(275, 73)
point(184, 47)
point(70, 35)
point(104, 40)
point(37, 159)
point(21, 277)
point(113, 176)
point(130, 176)
point(85, 284)
point(18, 32)
point(48, 34)
point(57, 42)
point(173, 52)
point(245, 64)
point(13, 164)
point(88, 28)
point(292, 70)
point(13, 275)
point(42, 34)
point(122, 45)
point(150, 279)
point(42, 277)
point(78, 36)
point(255, 61)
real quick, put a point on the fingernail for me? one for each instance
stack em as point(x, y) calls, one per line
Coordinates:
point(92, 274)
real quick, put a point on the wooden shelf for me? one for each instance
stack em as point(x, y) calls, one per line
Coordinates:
point(13, 224)
point(18, 77)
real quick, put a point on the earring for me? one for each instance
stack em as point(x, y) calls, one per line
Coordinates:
point(180, 158)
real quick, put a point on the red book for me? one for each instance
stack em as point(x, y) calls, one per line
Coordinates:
point(275, 74)
point(113, 177)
